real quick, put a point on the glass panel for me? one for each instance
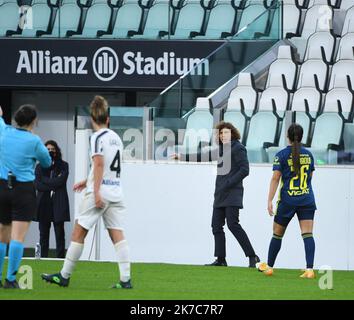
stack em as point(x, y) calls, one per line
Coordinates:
point(174, 106)
point(127, 122)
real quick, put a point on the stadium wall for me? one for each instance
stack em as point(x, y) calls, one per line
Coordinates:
point(169, 216)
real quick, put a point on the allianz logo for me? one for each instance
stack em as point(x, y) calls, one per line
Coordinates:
point(105, 64)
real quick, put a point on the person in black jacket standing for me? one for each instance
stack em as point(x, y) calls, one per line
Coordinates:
point(233, 167)
point(52, 200)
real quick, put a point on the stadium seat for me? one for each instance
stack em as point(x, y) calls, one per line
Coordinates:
point(346, 4)
point(253, 11)
point(199, 127)
point(307, 100)
point(304, 121)
point(274, 99)
point(340, 100)
point(327, 138)
point(221, 21)
point(67, 19)
point(39, 21)
point(190, 20)
point(9, 18)
point(346, 47)
point(157, 23)
point(318, 40)
point(245, 91)
point(313, 73)
point(273, 150)
point(317, 2)
point(283, 65)
point(348, 25)
point(128, 19)
point(340, 72)
point(97, 19)
point(291, 14)
point(243, 96)
point(317, 18)
point(235, 117)
point(262, 129)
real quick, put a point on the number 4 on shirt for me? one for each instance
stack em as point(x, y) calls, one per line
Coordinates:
point(115, 165)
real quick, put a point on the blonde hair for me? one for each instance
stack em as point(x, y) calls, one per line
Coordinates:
point(99, 110)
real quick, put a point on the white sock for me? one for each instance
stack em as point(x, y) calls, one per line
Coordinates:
point(123, 258)
point(72, 256)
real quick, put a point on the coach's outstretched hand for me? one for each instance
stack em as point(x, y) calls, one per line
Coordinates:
point(175, 156)
point(78, 187)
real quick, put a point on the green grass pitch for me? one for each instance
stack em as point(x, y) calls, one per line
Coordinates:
point(92, 280)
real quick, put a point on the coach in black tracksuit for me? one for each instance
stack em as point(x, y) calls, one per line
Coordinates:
point(52, 200)
point(233, 167)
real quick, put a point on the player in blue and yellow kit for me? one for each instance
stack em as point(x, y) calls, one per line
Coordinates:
point(20, 149)
point(293, 166)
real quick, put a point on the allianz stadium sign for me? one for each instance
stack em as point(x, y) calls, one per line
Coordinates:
point(48, 63)
point(105, 64)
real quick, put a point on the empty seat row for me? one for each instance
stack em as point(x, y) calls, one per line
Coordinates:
point(328, 137)
point(287, 72)
point(128, 18)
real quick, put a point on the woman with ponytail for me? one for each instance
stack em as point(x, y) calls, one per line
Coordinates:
point(293, 165)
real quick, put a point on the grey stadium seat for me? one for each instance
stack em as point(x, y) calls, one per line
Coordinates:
point(280, 97)
point(341, 71)
point(346, 47)
point(308, 100)
point(263, 128)
point(97, 19)
point(317, 40)
point(190, 19)
point(157, 21)
point(200, 121)
point(346, 4)
point(318, 18)
point(348, 25)
point(253, 10)
point(9, 17)
point(339, 100)
point(328, 131)
point(221, 20)
point(128, 19)
point(283, 65)
point(67, 19)
point(39, 21)
point(291, 14)
point(246, 91)
point(311, 70)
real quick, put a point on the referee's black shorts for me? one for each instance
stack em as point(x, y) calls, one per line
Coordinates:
point(17, 204)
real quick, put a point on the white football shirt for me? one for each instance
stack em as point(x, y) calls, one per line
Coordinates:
point(105, 142)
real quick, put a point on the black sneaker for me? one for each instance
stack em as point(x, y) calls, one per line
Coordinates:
point(11, 284)
point(56, 279)
point(217, 263)
point(123, 285)
point(253, 261)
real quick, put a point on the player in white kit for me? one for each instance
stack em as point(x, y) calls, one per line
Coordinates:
point(103, 198)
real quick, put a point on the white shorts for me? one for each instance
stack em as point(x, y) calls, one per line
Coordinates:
point(112, 214)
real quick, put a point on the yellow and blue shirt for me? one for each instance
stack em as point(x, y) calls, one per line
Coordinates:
point(296, 190)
